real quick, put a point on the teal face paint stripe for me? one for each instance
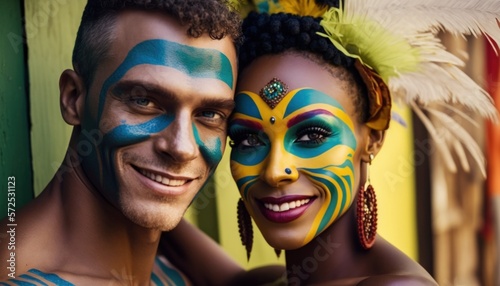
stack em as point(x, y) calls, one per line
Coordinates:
point(20, 283)
point(331, 206)
point(244, 104)
point(309, 96)
point(211, 151)
point(250, 156)
point(241, 182)
point(156, 280)
point(342, 135)
point(51, 277)
point(124, 135)
point(347, 164)
point(195, 62)
point(331, 186)
point(171, 273)
point(36, 280)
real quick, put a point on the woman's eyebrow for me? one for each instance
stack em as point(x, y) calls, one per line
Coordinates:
point(306, 115)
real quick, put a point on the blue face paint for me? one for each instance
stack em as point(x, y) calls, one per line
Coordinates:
point(246, 105)
point(210, 150)
point(124, 135)
point(195, 62)
point(192, 61)
point(167, 276)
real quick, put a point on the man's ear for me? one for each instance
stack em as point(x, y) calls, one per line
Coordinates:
point(374, 144)
point(72, 97)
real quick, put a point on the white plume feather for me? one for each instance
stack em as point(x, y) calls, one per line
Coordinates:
point(439, 78)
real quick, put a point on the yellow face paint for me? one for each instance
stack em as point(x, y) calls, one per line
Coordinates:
point(311, 134)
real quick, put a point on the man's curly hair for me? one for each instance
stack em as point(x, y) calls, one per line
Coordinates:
point(212, 17)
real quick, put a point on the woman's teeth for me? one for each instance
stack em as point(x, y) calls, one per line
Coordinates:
point(286, 206)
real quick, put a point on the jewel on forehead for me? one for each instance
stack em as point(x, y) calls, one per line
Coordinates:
point(273, 92)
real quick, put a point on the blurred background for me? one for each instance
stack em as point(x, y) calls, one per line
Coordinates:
point(447, 220)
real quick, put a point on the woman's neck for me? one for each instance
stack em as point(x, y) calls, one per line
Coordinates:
point(330, 256)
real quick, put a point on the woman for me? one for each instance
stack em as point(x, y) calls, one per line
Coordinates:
point(311, 113)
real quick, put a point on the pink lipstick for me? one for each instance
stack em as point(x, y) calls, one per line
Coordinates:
point(284, 209)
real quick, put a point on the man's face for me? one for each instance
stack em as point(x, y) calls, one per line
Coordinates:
point(160, 103)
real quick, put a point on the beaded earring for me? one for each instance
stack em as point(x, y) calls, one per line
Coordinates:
point(367, 214)
point(245, 227)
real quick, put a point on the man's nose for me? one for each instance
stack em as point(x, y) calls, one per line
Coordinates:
point(178, 140)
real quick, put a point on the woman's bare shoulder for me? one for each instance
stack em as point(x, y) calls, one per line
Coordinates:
point(398, 280)
point(390, 266)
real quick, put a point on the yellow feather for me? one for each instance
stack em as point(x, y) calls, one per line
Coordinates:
point(298, 7)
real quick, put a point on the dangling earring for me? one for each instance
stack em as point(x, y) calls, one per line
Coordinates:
point(278, 252)
point(245, 227)
point(367, 213)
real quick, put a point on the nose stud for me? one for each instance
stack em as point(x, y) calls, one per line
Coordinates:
point(288, 171)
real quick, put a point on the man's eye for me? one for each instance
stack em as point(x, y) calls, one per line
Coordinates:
point(210, 114)
point(313, 135)
point(142, 101)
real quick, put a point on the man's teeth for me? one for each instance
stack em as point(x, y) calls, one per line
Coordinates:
point(286, 206)
point(163, 180)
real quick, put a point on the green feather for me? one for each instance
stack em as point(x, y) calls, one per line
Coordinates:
point(364, 39)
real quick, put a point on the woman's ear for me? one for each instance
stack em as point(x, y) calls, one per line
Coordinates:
point(374, 144)
point(72, 97)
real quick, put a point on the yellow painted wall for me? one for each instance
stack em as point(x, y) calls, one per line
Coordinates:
point(393, 177)
point(51, 30)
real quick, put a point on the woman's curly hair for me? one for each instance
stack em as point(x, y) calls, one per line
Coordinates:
point(265, 34)
point(211, 17)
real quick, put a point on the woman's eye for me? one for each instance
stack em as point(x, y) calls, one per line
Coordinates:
point(313, 135)
point(251, 141)
point(247, 140)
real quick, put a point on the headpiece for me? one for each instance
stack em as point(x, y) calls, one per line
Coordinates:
point(398, 54)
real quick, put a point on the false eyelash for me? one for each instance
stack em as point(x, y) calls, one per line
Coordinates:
point(320, 128)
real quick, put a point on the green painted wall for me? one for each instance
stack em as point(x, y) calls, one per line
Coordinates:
point(14, 121)
point(51, 27)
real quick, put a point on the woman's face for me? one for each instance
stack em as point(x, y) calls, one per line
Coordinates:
point(295, 164)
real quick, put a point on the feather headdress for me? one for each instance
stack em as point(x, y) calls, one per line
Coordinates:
point(398, 40)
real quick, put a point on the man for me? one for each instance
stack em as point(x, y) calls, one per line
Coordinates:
point(151, 89)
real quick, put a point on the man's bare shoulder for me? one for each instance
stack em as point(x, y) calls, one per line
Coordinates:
point(30, 238)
